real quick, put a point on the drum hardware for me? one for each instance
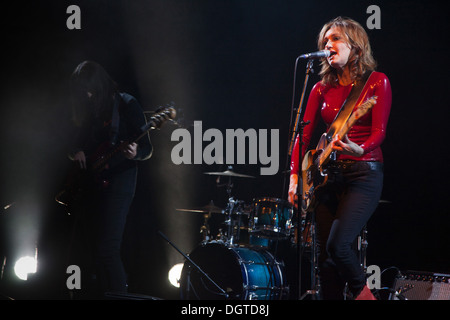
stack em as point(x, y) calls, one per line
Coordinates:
point(209, 208)
point(204, 229)
point(265, 262)
point(306, 230)
point(192, 263)
point(230, 174)
point(220, 235)
point(308, 240)
point(234, 211)
point(239, 271)
point(271, 218)
point(206, 211)
point(362, 248)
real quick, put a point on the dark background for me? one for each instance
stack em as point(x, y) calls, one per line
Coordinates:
point(229, 64)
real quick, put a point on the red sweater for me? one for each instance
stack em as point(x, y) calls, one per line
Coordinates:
point(368, 132)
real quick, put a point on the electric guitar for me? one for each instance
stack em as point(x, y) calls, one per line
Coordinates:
point(79, 181)
point(314, 164)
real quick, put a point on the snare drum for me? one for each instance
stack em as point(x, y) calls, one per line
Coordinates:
point(242, 273)
point(271, 218)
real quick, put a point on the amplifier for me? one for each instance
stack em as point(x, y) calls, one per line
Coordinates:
point(419, 285)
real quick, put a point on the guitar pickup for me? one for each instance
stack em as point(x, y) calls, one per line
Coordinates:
point(308, 176)
point(333, 156)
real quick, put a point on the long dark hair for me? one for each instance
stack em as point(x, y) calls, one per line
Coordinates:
point(91, 77)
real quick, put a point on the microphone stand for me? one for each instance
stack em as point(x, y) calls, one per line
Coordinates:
point(299, 123)
point(298, 130)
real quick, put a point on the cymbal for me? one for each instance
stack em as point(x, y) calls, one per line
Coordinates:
point(209, 208)
point(229, 173)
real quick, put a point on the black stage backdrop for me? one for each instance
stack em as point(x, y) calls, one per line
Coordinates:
point(230, 65)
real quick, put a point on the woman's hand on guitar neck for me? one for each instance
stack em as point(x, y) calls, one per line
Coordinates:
point(347, 147)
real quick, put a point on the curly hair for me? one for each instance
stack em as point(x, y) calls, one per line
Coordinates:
point(361, 59)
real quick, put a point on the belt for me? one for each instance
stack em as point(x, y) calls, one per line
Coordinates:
point(352, 165)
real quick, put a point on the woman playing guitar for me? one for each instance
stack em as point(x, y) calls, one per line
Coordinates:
point(355, 178)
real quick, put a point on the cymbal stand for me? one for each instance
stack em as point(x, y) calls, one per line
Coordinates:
point(234, 224)
point(229, 221)
point(230, 239)
point(229, 184)
point(204, 229)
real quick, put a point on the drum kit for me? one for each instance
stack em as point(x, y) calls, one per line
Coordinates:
point(240, 262)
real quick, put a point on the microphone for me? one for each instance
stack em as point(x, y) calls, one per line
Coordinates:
point(316, 55)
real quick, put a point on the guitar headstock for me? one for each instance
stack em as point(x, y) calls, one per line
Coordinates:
point(365, 107)
point(163, 114)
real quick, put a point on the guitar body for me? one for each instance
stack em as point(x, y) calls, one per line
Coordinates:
point(313, 176)
point(313, 171)
point(98, 165)
point(79, 183)
point(82, 182)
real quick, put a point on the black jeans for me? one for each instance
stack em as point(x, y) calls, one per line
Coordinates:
point(345, 205)
point(110, 219)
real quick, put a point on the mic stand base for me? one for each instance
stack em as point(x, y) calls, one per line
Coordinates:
point(314, 293)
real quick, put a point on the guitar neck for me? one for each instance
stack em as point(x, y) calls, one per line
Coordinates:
point(326, 153)
point(155, 121)
point(324, 157)
point(101, 162)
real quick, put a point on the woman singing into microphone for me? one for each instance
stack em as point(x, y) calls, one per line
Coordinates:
point(345, 204)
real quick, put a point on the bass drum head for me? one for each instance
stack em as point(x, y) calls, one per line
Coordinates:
point(242, 273)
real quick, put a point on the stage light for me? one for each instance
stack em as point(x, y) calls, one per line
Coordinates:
point(24, 266)
point(175, 274)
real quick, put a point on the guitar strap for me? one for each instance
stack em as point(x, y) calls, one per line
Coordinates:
point(347, 108)
point(115, 121)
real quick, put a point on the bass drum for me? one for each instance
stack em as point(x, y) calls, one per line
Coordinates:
point(238, 273)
